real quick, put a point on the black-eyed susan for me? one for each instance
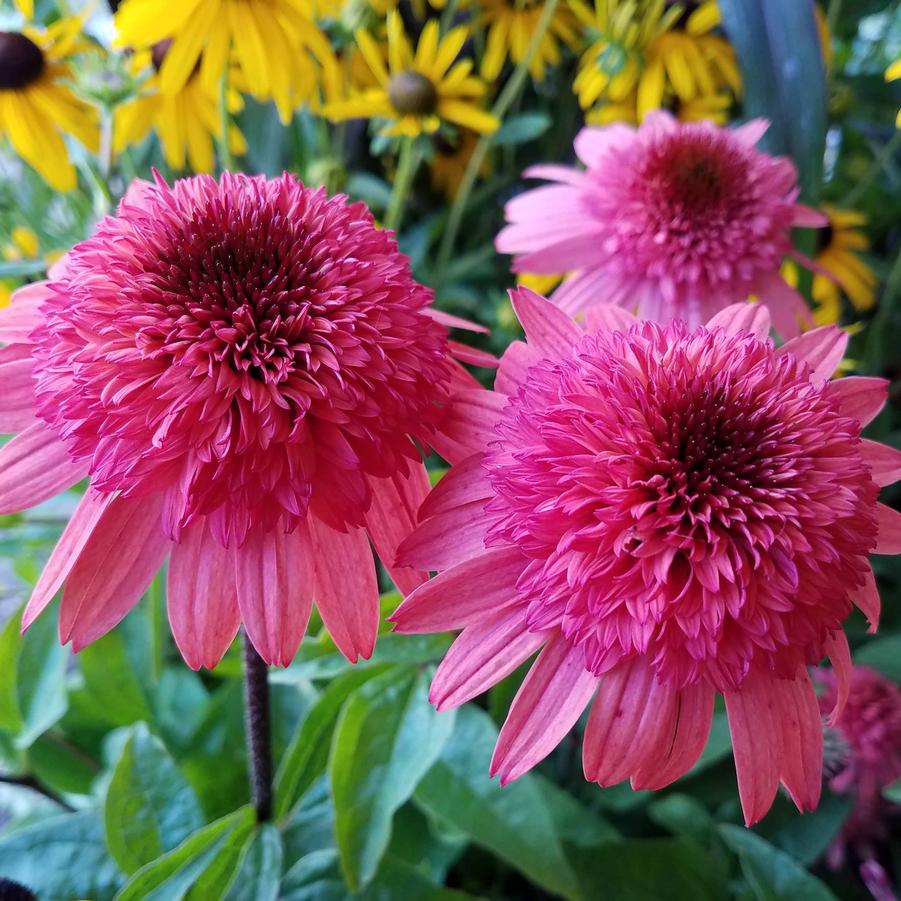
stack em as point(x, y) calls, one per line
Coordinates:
point(417, 91)
point(37, 106)
point(274, 43)
point(664, 54)
point(188, 122)
point(510, 25)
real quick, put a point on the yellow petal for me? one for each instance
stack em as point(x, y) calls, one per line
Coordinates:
point(893, 72)
point(427, 47)
point(372, 55)
point(650, 89)
point(449, 50)
point(187, 45)
point(705, 18)
point(463, 113)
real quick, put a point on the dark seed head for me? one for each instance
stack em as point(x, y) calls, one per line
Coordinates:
point(14, 891)
point(412, 94)
point(21, 60)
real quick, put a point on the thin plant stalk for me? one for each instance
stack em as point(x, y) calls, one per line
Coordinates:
point(407, 164)
point(259, 730)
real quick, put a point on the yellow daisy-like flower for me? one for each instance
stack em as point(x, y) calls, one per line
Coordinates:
point(188, 123)
point(838, 252)
point(710, 108)
point(418, 91)
point(37, 107)
point(272, 42)
point(510, 25)
point(893, 73)
point(655, 52)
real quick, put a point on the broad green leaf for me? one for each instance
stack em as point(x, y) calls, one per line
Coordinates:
point(10, 715)
point(784, 80)
point(668, 869)
point(521, 128)
point(514, 823)
point(682, 815)
point(423, 843)
point(61, 765)
point(150, 808)
point(261, 868)
point(387, 737)
point(805, 837)
point(172, 876)
point(307, 755)
point(883, 654)
point(61, 858)
point(772, 874)
point(112, 681)
point(574, 823)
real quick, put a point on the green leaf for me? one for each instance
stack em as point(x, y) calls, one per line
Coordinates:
point(10, 715)
point(61, 765)
point(387, 737)
point(61, 858)
point(307, 755)
point(667, 869)
point(261, 868)
point(112, 681)
point(682, 815)
point(883, 654)
point(806, 837)
point(772, 874)
point(514, 823)
point(784, 80)
point(172, 876)
point(150, 808)
point(522, 128)
point(375, 192)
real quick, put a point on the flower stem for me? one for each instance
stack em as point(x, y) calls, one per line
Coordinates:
point(501, 106)
point(407, 164)
point(106, 142)
point(259, 729)
point(225, 126)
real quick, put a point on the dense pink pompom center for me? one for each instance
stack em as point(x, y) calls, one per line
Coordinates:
point(252, 347)
point(689, 495)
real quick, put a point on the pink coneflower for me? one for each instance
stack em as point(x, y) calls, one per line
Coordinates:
point(673, 220)
point(867, 758)
point(239, 367)
point(665, 513)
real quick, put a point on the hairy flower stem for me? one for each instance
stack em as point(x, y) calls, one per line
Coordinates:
point(501, 107)
point(259, 729)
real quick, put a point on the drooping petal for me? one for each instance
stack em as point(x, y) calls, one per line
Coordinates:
point(483, 654)
point(753, 318)
point(888, 521)
point(860, 396)
point(114, 568)
point(795, 706)
point(822, 349)
point(35, 466)
point(202, 597)
point(468, 424)
point(17, 411)
point(786, 305)
point(347, 592)
point(462, 484)
point(274, 574)
point(547, 327)
point(840, 657)
point(444, 541)
point(464, 594)
point(21, 317)
point(884, 461)
point(548, 704)
point(866, 598)
point(392, 517)
point(71, 543)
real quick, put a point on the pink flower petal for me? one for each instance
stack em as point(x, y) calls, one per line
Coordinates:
point(514, 367)
point(548, 329)
point(888, 522)
point(468, 424)
point(808, 217)
point(17, 410)
point(347, 592)
point(566, 175)
point(756, 744)
point(451, 321)
point(71, 543)
point(884, 461)
point(34, 467)
point(462, 484)
point(866, 599)
point(483, 654)
point(605, 317)
point(472, 355)
point(274, 574)
point(117, 563)
point(392, 517)
point(751, 132)
point(548, 704)
point(753, 318)
point(19, 319)
point(796, 708)
point(202, 597)
point(859, 396)
point(443, 541)
point(839, 654)
point(786, 305)
point(822, 349)
point(464, 594)
point(591, 143)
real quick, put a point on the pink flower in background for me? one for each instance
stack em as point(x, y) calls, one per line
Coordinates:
point(664, 513)
point(867, 758)
point(672, 221)
point(239, 368)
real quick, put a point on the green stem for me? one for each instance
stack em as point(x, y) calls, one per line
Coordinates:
point(832, 14)
point(225, 151)
point(407, 164)
point(887, 152)
point(106, 142)
point(447, 17)
point(503, 103)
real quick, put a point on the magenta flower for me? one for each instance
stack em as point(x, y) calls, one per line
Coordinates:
point(665, 513)
point(239, 368)
point(673, 221)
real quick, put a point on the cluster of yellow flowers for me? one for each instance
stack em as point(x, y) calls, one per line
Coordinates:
point(194, 61)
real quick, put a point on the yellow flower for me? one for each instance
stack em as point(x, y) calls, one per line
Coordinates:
point(36, 105)
point(510, 25)
point(838, 252)
point(540, 284)
point(893, 73)
point(712, 108)
point(188, 123)
point(271, 40)
point(660, 53)
point(418, 91)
